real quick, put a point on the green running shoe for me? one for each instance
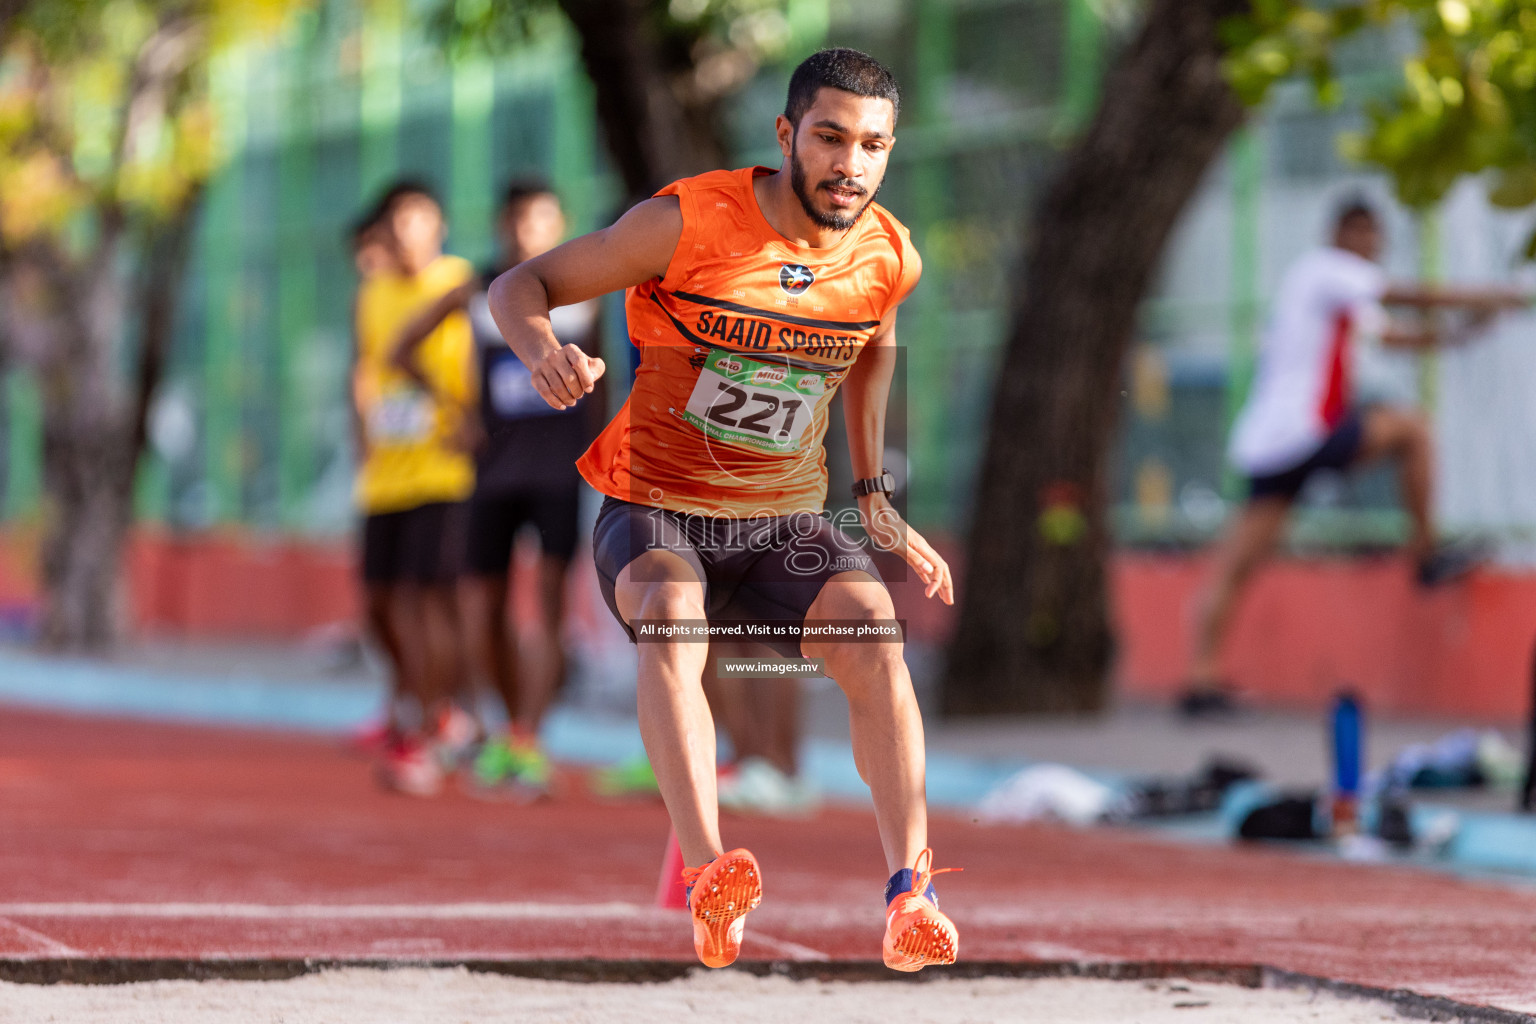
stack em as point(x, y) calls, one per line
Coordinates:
point(494, 762)
point(627, 778)
point(504, 762)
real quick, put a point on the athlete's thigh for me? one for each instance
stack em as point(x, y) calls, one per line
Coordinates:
point(796, 563)
point(638, 548)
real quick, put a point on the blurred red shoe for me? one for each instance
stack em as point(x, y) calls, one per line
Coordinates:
point(409, 767)
point(372, 738)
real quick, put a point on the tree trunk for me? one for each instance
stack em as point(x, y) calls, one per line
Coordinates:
point(87, 459)
point(657, 126)
point(9, 10)
point(1034, 634)
point(87, 480)
point(94, 427)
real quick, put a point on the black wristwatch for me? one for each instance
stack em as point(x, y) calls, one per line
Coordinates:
point(884, 482)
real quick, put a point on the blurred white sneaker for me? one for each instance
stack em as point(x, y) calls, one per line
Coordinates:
point(757, 787)
point(457, 739)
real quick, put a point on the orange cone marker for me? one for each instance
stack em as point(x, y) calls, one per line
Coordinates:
point(671, 893)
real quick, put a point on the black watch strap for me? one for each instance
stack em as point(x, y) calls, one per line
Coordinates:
point(884, 482)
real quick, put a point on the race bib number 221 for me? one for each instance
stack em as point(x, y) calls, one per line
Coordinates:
point(752, 404)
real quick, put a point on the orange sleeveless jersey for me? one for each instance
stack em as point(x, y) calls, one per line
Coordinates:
point(742, 345)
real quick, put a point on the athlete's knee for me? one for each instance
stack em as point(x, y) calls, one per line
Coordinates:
point(1396, 432)
point(859, 635)
point(1241, 569)
point(1416, 435)
point(866, 666)
point(669, 601)
point(855, 600)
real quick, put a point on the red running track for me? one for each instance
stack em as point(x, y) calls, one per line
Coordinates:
point(125, 839)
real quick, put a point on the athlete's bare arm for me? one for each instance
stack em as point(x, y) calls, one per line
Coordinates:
point(866, 392)
point(421, 327)
point(1483, 303)
point(634, 250)
point(1414, 338)
point(359, 424)
point(1490, 299)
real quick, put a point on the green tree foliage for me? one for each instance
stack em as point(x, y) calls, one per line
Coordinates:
point(660, 69)
point(1467, 99)
point(726, 39)
point(104, 115)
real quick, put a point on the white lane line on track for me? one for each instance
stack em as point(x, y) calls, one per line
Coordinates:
point(1056, 951)
point(322, 911)
point(793, 949)
point(50, 945)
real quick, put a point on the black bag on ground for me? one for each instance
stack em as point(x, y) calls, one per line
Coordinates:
point(1290, 817)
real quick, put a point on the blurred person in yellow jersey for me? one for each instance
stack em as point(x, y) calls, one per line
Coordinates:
point(525, 478)
point(417, 421)
point(373, 254)
point(755, 296)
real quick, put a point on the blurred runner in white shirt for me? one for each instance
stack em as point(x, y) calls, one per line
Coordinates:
point(1302, 416)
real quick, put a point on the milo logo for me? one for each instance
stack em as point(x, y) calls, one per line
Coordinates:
point(812, 384)
point(728, 366)
point(770, 375)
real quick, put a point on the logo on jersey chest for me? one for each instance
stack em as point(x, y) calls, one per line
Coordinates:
point(795, 279)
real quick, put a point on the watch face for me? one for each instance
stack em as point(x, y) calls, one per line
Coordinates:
point(885, 484)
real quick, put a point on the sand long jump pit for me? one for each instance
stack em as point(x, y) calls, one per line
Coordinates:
point(460, 995)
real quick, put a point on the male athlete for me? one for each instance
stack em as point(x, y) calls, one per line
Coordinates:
point(1301, 418)
point(415, 474)
point(754, 295)
point(525, 474)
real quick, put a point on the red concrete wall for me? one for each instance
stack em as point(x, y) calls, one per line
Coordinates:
point(234, 584)
point(1306, 627)
point(210, 585)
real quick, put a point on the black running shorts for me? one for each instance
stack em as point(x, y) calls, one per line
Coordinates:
point(753, 570)
point(1338, 451)
point(422, 545)
point(495, 519)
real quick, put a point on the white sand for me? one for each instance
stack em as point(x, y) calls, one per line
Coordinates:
point(460, 997)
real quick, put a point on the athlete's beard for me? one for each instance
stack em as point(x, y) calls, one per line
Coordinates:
point(834, 220)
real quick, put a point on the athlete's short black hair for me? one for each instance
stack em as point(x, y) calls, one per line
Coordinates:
point(405, 188)
point(841, 68)
point(382, 207)
point(1353, 208)
point(520, 190)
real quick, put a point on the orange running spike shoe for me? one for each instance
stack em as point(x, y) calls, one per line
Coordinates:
point(721, 892)
point(916, 933)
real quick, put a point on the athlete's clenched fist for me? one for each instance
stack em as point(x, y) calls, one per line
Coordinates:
point(567, 373)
